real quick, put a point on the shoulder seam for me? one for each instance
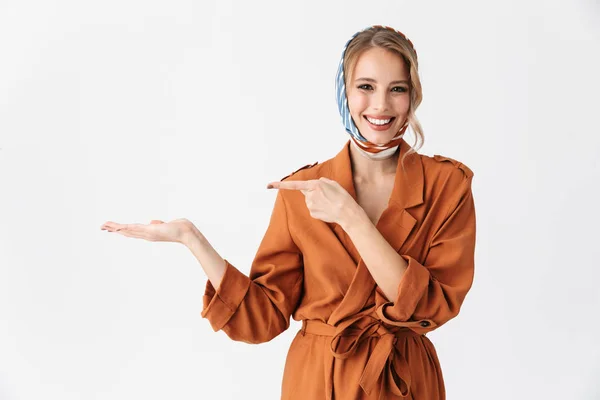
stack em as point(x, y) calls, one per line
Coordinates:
point(299, 169)
point(457, 164)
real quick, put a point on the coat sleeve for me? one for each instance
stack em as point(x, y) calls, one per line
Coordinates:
point(257, 308)
point(435, 290)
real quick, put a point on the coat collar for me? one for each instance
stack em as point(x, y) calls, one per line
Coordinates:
point(395, 223)
point(408, 183)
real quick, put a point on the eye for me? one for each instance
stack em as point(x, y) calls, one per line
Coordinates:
point(365, 86)
point(402, 89)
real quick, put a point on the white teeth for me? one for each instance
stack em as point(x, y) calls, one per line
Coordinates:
point(379, 121)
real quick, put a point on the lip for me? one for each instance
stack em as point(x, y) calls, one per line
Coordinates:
point(380, 127)
point(379, 117)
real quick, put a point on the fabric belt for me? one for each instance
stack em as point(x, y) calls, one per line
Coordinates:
point(384, 362)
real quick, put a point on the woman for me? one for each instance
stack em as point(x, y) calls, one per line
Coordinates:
point(371, 249)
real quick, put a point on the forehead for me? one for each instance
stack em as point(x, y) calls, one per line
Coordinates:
point(380, 64)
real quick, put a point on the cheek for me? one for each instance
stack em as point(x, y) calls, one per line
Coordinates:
point(357, 103)
point(401, 105)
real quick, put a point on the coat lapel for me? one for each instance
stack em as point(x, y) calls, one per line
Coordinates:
point(395, 223)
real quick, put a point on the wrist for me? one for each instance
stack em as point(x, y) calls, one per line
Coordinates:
point(192, 237)
point(354, 215)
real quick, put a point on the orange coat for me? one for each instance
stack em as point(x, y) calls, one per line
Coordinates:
point(354, 343)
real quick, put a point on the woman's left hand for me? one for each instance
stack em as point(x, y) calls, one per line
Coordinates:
point(326, 199)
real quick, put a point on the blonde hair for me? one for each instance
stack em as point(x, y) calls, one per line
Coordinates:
point(393, 41)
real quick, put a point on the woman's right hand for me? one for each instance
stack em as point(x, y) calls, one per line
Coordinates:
point(156, 231)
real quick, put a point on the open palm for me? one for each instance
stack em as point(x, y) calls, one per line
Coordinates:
point(156, 231)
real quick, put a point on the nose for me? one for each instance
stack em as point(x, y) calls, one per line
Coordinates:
point(379, 101)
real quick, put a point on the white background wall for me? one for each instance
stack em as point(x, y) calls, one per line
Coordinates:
point(130, 110)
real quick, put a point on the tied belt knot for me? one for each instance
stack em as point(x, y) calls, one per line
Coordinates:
point(384, 361)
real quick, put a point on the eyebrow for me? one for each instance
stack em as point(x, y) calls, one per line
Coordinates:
point(374, 81)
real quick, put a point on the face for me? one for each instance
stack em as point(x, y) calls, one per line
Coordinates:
point(379, 94)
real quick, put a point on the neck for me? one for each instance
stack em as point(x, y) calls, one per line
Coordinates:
point(365, 169)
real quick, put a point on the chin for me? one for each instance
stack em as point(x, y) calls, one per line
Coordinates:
point(379, 138)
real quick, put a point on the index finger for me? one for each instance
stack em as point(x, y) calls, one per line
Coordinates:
point(291, 185)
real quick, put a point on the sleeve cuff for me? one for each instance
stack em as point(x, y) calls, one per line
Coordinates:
point(411, 289)
point(220, 305)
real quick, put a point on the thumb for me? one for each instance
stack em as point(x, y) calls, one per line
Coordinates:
point(157, 221)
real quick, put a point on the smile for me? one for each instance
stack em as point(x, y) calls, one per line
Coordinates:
point(379, 124)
